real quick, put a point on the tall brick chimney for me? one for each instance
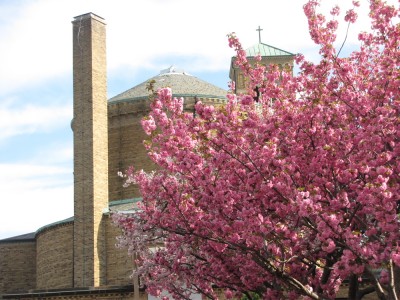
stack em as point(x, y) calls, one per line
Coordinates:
point(90, 148)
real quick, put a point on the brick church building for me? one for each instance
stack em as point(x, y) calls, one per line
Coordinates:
point(76, 258)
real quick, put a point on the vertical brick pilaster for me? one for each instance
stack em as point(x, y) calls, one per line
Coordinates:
point(90, 147)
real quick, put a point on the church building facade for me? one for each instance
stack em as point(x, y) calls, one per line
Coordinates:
point(77, 258)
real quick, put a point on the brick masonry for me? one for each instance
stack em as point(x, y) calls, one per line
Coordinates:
point(119, 264)
point(126, 145)
point(90, 148)
point(46, 263)
point(17, 266)
point(54, 258)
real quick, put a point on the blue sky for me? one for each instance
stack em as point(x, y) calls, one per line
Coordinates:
point(143, 37)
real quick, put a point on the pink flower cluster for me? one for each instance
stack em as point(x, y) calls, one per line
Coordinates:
point(284, 198)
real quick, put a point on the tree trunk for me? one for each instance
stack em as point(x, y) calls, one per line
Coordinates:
point(353, 287)
point(394, 281)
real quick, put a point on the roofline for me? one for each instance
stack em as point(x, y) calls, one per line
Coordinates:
point(289, 53)
point(35, 234)
point(13, 240)
point(125, 201)
point(253, 57)
point(173, 95)
point(55, 224)
point(235, 67)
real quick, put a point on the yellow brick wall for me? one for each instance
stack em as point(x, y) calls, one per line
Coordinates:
point(125, 142)
point(90, 148)
point(55, 257)
point(119, 264)
point(109, 296)
point(17, 266)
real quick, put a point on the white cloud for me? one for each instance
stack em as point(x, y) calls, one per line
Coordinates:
point(37, 36)
point(30, 51)
point(37, 41)
point(28, 118)
point(33, 195)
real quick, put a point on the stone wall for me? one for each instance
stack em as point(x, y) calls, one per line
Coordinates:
point(119, 264)
point(55, 257)
point(17, 265)
point(125, 145)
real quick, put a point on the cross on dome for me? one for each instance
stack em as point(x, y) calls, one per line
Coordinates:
point(259, 34)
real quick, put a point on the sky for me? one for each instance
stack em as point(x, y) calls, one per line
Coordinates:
point(143, 37)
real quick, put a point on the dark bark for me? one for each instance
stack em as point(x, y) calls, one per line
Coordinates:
point(363, 292)
point(353, 287)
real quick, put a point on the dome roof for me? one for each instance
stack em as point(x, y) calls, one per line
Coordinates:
point(181, 83)
point(266, 50)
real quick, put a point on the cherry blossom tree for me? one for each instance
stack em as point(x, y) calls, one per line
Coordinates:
point(296, 195)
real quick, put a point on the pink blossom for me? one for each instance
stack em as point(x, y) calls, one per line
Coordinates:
point(335, 11)
point(149, 125)
point(351, 16)
point(288, 197)
point(219, 247)
point(396, 258)
point(328, 246)
point(247, 99)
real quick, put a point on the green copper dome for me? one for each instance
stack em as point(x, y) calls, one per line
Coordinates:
point(266, 50)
